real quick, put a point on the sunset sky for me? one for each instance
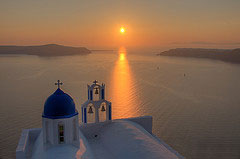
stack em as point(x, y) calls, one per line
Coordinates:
point(97, 23)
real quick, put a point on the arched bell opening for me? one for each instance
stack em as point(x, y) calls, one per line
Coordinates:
point(102, 112)
point(91, 112)
point(96, 93)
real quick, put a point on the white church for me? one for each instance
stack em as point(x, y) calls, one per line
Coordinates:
point(96, 137)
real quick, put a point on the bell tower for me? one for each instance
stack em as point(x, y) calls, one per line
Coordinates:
point(96, 107)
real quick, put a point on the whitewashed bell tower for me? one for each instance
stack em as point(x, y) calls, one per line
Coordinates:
point(96, 105)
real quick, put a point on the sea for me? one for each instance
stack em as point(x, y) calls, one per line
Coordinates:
point(195, 103)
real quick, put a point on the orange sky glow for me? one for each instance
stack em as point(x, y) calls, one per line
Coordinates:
point(96, 24)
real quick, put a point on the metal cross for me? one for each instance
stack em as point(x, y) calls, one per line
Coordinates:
point(58, 83)
point(95, 82)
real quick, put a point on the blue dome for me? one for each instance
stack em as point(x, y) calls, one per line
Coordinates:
point(59, 105)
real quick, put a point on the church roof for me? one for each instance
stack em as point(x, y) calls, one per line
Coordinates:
point(121, 139)
point(59, 105)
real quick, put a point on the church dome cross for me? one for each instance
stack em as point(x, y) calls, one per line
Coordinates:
point(58, 83)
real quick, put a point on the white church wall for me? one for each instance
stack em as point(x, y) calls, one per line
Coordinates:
point(90, 130)
point(26, 142)
point(144, 121)
point(22, 145)
point(51, 133)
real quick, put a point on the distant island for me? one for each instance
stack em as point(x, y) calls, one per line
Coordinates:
point(227, 55)
point(103, 50)
point(44, 50)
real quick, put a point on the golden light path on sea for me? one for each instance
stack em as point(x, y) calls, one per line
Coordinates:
point(123, 91)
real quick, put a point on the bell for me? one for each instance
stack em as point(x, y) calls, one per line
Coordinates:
point(96, 91)
point(103, 109)
point(90, 111)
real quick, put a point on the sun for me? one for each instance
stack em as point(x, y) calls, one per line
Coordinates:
point(122, 30)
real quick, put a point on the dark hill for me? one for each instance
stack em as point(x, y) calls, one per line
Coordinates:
point(44, 50)
point(217, 54)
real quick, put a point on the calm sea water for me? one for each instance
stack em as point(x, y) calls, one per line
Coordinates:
point(196, 114)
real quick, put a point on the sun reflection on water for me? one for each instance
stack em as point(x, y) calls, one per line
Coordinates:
point(123, 90)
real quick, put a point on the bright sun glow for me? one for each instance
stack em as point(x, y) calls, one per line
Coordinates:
point(122, 30)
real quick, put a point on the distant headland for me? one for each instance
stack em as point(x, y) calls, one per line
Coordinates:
point(227, 55)
point(44, 50)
